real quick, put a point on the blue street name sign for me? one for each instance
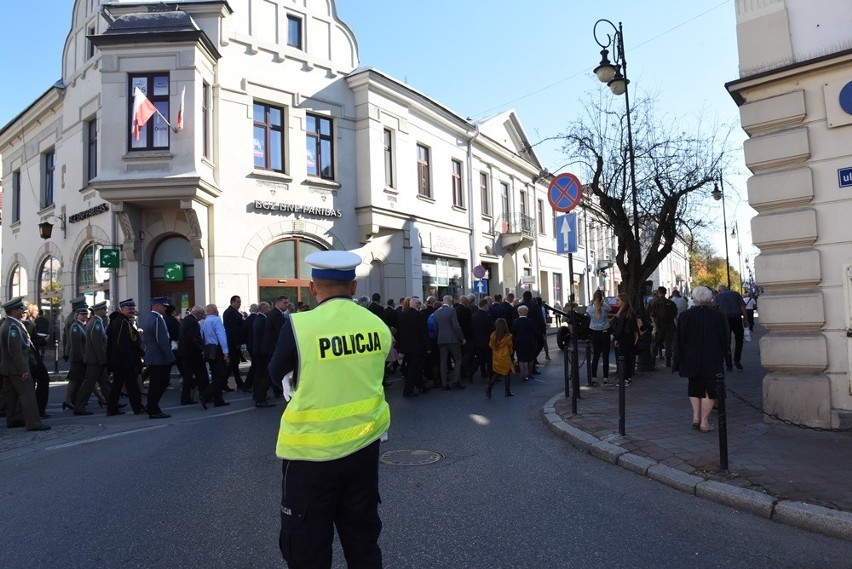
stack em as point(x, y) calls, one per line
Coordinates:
point(844, 177)
point(566, 234)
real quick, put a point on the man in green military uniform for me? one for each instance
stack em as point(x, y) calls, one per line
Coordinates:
point(75, 339)
point(95, 357)
point(330, 430)
point(75, 375)
point(18, 387)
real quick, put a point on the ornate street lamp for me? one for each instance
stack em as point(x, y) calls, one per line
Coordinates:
point(614, 74)
point(719, 194)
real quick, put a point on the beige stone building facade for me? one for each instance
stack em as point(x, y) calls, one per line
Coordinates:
point(795, 99)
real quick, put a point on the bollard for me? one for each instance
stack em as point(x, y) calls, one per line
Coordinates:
point(723, 422)
point(621, 395)
point(566, 366)
point(56, 357)
point(588, 362)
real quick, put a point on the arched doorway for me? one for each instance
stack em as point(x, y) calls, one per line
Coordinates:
point(173, 272)
point(282, 271)
point(92, 280)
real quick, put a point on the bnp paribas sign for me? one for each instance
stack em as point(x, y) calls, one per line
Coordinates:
point(285, 208)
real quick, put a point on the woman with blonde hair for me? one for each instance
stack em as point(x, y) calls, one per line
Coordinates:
point(626, 327)
point(501, 345)
point(38, 370)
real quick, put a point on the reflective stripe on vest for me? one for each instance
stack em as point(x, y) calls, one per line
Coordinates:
point(339, 405)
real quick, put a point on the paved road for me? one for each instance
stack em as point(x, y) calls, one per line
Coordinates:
point(201, 490)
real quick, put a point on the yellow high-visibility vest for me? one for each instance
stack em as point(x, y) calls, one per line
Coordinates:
point(339, 404)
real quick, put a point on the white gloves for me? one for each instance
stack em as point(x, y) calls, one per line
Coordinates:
point(287, 386)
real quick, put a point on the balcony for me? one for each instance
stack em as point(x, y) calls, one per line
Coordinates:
point(516, 232)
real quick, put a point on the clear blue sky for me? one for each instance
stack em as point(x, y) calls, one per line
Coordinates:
point(479, 57)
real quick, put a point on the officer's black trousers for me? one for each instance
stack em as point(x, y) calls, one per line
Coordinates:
point(124, 377)
point(319, 496)
point(261, 380)
point(158, 380)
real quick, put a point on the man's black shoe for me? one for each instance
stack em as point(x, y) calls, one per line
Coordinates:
point(116, 412)
point(190, 402)
point(40, 428)
point(159, 415)
point(264, 404)
point(738, 365)
point(221, 404)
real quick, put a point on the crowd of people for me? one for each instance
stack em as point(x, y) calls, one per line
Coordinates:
point(122, 354)
point(438, 343)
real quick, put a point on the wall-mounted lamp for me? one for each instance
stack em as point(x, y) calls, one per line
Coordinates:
point(45, 228)
point(141, 235)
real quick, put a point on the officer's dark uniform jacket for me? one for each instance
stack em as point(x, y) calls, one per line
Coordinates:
point(14, 348)
point(96, 342)
point(338, 351)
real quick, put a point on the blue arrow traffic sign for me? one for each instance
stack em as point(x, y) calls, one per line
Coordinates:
point(565, 192)
point(566, 234)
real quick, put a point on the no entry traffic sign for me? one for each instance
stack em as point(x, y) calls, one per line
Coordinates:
point(565, 192)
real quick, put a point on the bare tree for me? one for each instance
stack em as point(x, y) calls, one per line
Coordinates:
point(672, 160)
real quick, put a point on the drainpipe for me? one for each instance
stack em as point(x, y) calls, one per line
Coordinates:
point(470, 212)
point(113, 276)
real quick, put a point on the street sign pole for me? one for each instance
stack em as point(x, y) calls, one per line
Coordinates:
point(575, 360)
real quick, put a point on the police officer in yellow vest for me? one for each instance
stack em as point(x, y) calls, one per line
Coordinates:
point(330, 430)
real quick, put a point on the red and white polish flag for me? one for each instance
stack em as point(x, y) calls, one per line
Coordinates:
point(180, 109)
point(143, 110)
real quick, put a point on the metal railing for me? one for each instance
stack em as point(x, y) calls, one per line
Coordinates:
point(517, 223)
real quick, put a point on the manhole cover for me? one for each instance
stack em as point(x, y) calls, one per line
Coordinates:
point(410, 457)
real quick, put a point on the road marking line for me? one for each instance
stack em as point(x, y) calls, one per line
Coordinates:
point(144, 429)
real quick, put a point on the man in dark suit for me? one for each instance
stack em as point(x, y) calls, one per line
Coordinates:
point(450, 342)
point(414, 344)
point(376, 305)
point(248, 340)
point(535, 315)
point(463, 314)
point(481, 324)
point(390, 316)
point(274, 322)
point(191, 350)
point(233, 321)
point(260, 356)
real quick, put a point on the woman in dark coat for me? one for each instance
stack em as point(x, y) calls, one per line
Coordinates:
point(699, 354)
point(526, 336)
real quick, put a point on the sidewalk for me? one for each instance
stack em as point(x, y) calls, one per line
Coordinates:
point(793, 475)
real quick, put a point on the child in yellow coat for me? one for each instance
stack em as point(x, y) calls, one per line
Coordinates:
point(502, 347)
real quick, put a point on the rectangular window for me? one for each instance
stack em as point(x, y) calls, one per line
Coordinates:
point(541, 216)
point(424, 177)
point(154, 134)
point(504, 197)
point(458, 187)
point(90, 47)
point(294, 31)
point(523, 202)
point(319, 147)
point(484, 193)
point(388, 142)
point(16, 196)
point(205, 120)
point(268, 138)
point(557, 287)
point(91, 150)
point(49, 184)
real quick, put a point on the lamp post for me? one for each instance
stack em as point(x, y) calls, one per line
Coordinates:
point(736, 235)
point(719, 194)
point(614, 74)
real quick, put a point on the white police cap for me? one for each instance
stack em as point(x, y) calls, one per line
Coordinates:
point(333, 265)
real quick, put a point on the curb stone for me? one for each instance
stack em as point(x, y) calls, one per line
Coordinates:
point(814, 518)
point(750, 501)
point(810, 517)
